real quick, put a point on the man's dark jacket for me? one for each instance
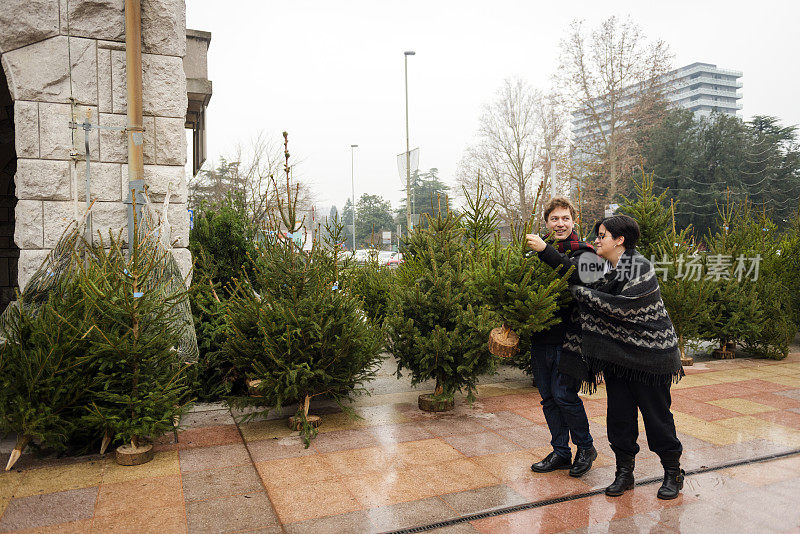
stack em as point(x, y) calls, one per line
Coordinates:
point(573, 248)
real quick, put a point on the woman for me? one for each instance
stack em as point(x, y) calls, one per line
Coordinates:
point(624, 332)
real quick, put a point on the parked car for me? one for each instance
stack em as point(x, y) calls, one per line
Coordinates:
point(395, 260)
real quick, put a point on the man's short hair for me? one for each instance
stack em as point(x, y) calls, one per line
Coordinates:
point(559, 202)
point(621, 225)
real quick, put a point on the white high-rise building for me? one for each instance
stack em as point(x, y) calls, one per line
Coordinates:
point(700, 87)
point(704, 88)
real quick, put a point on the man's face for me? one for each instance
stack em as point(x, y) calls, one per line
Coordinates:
point(560, 222)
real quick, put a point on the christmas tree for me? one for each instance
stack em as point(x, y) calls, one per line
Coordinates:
point(734, 312)
point(650, 212)
point(435, 327)
point(138, 310)
point(684, 290)
point(479, 218)
point(43, 386)
point(522, 291)
point(301, 335)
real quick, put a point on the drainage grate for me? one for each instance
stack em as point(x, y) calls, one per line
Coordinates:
point(575, 497)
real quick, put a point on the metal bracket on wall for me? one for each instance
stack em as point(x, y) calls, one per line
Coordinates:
point(87, 127)
point(135, 187)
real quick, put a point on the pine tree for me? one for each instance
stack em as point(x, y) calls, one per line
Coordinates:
point(435, 327)
point(43, 386)
point(137, 319)
point(734, 312)
point(214, 376)
point(650, 212)
point(301, 335)
point(684, 293)
point(479, 218)
point(522, 291)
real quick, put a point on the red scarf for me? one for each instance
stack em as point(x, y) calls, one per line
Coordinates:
point(571, 243)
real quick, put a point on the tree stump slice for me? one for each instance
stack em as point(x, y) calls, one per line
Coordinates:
point(296, 423)
point(503, 342)
point(722, 354)
point(129, 455)
point(428, 403)
point(687, 361)
point(251, 388)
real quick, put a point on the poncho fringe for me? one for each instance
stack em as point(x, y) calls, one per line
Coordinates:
point(628, 334)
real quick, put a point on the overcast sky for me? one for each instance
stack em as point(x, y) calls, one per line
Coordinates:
point(331, 72)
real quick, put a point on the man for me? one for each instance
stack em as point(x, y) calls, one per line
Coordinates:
point(563, 408)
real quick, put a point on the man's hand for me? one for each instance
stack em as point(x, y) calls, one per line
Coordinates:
point(535, 242)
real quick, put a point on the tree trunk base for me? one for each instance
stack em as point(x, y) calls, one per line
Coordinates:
point(730, 346)
point(722, 354)
point(252, 386)
point(429, 403)
point(106, 442)
point(687, 361)
point(129, 455)
point(296, 423)
point(15, 454)
point(503, 342)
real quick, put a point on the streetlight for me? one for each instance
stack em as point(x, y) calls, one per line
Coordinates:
point(353, 190)
point(409, 223)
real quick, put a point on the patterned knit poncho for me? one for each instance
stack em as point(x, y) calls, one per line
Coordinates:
point(621, 326)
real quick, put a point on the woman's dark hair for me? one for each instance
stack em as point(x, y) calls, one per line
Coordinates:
point(621, 225)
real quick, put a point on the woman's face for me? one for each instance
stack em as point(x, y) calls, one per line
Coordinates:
point(604, 243)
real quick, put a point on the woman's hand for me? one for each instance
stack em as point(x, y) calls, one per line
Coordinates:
point(535, 242)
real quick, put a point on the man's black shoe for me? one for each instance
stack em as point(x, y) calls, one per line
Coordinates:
point(552, 462)
point(583, 461)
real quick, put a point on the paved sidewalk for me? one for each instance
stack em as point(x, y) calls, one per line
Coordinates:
point(399, 468)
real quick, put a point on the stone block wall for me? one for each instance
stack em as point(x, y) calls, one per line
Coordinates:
point(66, 60)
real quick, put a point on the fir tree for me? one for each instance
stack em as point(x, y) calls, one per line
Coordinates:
point(137, 320)
point(734, 312)
point(479, 218)
point(301, 335)
point(435, 327)
point(684, 293)
point(522, 291)
point(43, 386)
point(650, 212)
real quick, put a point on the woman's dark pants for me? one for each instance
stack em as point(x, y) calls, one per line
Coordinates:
point(624, 398)
point(563, 408)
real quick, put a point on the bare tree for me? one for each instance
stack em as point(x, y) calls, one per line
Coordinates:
point(612, 80)
point(246, 176)
point(506, 154)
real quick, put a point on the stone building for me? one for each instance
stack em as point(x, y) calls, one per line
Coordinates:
point(63, 61)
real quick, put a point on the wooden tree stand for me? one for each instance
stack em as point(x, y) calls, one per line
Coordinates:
point(428, 402)
point(129, 454)
point(503, 342)
point(686, 361)
point(721, 354)
point(296, 423)
point(252, 386)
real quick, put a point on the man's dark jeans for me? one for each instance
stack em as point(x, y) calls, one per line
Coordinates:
point(563, 408)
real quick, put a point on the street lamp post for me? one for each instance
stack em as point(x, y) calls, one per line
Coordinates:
point(409, 223)
point(353, 192)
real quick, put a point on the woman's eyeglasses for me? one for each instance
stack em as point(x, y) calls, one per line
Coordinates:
point(600, 236)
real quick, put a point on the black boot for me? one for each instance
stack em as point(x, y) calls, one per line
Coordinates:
point(623, 478)
point(673, 483)
point(552, 462)
point(583, 461)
